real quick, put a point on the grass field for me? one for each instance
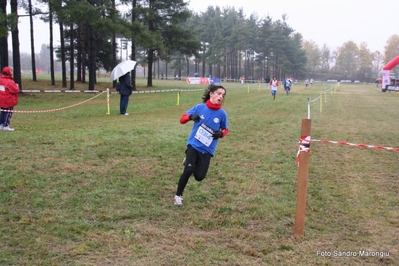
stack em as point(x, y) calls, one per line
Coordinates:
point(82, 187)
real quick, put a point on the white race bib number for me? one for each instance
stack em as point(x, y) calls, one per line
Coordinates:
point(204, 135)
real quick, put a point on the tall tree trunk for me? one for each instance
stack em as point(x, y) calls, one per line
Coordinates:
point(150, 61)
point(133, 51)
point(166, 70)
point(179, 64)
point(188, 65)
point(63, 70)
point(79, 55)
point(114, 49)
point(203, 63)
point(15, 46)
point(114, 46)
point(92, 59)
point(4, 39)
point(51, 44)
point(239, 64)
point(158, 67)
point(150, 56)
point(225, 66)
point(72, 60)
point(154, 75)
point(210, 69)
point(84, 51)
point(32, 42)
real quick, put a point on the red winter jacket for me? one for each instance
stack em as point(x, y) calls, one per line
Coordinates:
point(9, 91)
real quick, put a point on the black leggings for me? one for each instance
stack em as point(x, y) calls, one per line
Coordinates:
point(197, 164)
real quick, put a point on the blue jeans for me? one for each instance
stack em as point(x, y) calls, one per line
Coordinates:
point(124, 103)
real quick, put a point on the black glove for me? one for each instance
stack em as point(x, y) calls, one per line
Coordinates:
point(195, 117)
point(217, 134)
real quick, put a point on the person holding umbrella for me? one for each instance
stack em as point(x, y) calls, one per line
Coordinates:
point(122, 73)
point(125, 90)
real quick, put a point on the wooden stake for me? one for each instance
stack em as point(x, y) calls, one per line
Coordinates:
point(303, 171)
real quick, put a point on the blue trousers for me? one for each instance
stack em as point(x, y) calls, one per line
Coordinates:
point(124, 103)
point(5, 117)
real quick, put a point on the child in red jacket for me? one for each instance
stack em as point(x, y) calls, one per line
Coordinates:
point(9, 91)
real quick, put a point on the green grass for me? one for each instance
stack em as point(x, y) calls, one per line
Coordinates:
point(80, 187)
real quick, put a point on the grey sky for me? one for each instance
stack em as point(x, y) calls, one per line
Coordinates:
point(325, 22)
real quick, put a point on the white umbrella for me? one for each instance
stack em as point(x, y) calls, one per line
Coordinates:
point(122, 68)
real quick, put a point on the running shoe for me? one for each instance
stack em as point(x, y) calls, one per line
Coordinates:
point(178, 200)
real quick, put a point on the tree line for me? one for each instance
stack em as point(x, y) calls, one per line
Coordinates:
point(221, 42)
point(350, 61)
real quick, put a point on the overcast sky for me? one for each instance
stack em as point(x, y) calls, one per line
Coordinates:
point(325, 22)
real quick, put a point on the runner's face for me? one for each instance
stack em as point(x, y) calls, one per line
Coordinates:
point(217, 96)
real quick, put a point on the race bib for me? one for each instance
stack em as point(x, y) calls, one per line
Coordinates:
point(2, 88)
point(204, 135)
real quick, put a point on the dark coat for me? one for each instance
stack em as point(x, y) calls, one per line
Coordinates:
point(125, 85)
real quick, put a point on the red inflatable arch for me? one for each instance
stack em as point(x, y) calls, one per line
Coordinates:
point(386, 71)
point(393, 63)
